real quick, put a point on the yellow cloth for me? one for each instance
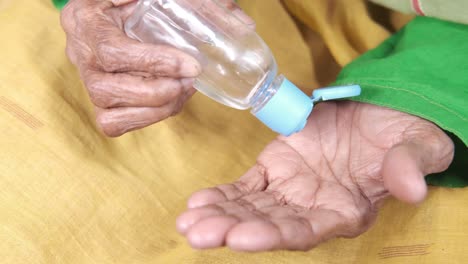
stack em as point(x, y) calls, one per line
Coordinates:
point(70, 195)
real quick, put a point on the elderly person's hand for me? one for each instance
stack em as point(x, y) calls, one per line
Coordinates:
point(327, 181)
point(131, 84)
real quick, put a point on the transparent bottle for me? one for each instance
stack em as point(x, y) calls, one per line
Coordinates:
point(238, 68)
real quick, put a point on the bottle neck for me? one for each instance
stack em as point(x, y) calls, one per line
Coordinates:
point(266, 92)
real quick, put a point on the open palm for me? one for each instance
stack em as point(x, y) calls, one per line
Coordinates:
point(324, 182)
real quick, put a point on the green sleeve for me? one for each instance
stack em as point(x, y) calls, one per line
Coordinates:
point(422, 70)
point(60, 3)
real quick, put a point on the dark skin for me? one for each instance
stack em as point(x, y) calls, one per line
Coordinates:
point(327, 181)
point(131, 84)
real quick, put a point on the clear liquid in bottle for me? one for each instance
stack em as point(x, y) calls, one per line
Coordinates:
point(238, 68)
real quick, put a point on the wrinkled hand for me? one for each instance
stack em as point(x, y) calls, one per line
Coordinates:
point(131, 84)
point(327, 181)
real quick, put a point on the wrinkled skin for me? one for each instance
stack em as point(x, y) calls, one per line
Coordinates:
point(131, 84)
point(327, 181)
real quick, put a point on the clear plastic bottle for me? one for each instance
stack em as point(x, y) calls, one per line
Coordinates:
point(239, 69)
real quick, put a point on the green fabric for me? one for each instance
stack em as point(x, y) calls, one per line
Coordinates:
point(60, 3)
point(422, 70)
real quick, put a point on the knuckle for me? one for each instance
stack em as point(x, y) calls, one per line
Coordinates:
point(97, 90)
point(73, 15)
point(81, 14)
point(440, 139)
point(67, 17)
point(105, 52)
point(447, 149)
point(107, 126)
point(440, 148)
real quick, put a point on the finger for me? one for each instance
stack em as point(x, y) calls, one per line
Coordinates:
point(195, 222)
point(405, 166)
point(294, 232)
point(214, 195)
point(192, 216)
point(211, 232)
point(254, 236)
point(243, 209)
point(189, 220)
point(115, 122)
point(252, 181)
point(402, 174)
point(115, 52)
point(109, 90)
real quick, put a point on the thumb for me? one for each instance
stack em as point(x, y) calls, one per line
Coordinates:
point(405, 166)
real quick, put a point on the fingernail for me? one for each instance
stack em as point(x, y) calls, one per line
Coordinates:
point(190, 68)
point(187, 82)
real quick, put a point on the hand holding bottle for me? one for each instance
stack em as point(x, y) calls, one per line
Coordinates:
point(131, 84)
point(239, 70)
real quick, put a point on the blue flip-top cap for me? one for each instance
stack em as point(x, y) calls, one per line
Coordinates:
point(287, 111)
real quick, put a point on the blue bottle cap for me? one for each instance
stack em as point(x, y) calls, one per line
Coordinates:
point(287, 111)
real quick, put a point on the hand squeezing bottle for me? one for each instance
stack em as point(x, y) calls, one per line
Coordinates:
point(239, 69)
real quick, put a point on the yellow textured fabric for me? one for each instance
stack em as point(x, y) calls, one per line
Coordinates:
point(70, 195)
point(345, 25)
